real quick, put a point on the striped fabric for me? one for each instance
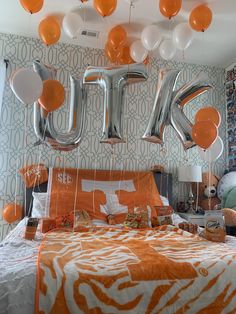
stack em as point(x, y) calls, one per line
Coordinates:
point(108, 270)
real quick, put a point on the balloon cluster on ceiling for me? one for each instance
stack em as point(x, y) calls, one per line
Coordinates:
point(41, 87)
point(117, 49)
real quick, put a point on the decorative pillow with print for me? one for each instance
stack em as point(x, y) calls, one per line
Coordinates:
point(163, 216)
point(138, 219)
point(34, 175)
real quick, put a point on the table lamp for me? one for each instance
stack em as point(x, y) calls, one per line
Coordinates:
point(190, 174)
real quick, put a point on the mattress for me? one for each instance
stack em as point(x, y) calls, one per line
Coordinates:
point(18, 258)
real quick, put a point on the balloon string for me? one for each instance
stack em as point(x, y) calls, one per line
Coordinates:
point(111, 160)
point(209, 197)
point(16, 185)
point(130, 15)
point(25, 147)
point(183, 56)
point(197, 197)
point(94, 176)
point(76, 185)
point(40, 149)
point(59, 167)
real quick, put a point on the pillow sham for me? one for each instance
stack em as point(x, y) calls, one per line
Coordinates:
point(164, 200)
point(40, 202)
point(33, 175)
point(102, 193)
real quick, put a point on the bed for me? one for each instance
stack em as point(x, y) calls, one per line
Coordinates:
point(113, 270)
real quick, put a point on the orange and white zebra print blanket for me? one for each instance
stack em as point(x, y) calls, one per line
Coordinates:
point(163, 270)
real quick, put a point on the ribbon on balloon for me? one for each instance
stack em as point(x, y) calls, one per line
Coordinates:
point(168, 107)
point(113, 80)
point(44, 122)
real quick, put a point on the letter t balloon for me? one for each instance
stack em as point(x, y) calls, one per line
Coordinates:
point(113, 80)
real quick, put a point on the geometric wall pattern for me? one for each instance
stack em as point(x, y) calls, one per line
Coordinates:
point(17, 136)
point(231, 114)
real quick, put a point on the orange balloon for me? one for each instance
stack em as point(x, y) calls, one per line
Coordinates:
point(200, 18)
point(111, 53)
point(32, 6)
point(53, 95)
point(117, 36)
point(105, 7)
point(208, 114)
point(170, 8)
point(124, 56)
point(12, 212)
point(49, 31)
point(204, 133)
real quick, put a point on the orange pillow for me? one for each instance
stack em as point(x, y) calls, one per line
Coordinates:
point(89, 190)
point(163, 216)
point(163, 210)
point(34, 175)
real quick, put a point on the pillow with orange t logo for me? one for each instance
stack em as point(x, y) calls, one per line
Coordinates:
point(34, 175)
point(101, 192)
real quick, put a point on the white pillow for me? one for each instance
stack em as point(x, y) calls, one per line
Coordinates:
point(164, 200)
point(39, 205)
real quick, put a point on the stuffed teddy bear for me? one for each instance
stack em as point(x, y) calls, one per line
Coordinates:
point(207, 195)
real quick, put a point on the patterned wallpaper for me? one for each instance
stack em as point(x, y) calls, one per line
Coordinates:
point(231, 110)
point(17, 145)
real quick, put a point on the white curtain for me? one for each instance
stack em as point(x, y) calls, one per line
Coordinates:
point(3, 69)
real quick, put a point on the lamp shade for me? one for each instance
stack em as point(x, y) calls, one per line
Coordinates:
point(190, 174)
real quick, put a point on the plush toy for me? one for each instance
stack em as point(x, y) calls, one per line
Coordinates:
point(207, 195)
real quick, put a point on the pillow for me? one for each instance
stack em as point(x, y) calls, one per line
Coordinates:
point(162, 220)
point(101, 192)
point(65, 221)
point(138, 219)
point(82, 218)
point(34, 175)
point(164, 200)
point(40, 201)
point(163, 216)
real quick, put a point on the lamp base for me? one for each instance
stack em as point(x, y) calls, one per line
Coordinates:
point(191, 208)
point(191, 201)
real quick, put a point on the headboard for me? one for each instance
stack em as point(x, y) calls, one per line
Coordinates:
point(163, 182)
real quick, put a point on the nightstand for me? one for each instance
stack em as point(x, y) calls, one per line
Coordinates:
point(194, 219)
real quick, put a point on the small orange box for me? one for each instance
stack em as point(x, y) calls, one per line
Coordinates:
point(30, 232)
point(47, 224)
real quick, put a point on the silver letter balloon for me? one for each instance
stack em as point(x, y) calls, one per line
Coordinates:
point(168, 107)
point(44, 123)
point(113, 80)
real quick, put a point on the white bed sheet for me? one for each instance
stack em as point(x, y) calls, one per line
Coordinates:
point(18, 259)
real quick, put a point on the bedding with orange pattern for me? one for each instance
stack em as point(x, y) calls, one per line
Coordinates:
point(108, 270)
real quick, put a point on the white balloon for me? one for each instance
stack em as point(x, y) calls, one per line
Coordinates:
point(167, 49)
point(26, 85)
point(151, 37)
point(138, 52)
point(71, 24)
point(213, 152)
point(182, 36)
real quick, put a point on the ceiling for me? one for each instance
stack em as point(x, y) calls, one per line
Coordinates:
point(217, 46)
